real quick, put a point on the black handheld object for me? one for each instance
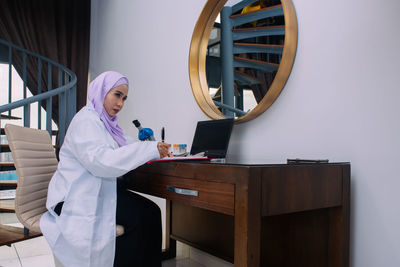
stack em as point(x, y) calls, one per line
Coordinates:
point(140, 128)
point(163, 134)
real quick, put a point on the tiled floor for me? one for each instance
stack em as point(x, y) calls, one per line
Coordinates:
point(33, 252)
point(36, 252)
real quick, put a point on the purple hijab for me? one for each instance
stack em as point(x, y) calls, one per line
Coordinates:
point(98, 90)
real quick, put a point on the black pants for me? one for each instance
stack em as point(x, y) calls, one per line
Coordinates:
point(140, 245)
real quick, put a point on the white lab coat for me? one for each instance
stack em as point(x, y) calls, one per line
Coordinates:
point(90, 162)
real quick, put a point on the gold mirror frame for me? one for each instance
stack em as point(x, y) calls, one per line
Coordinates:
point(197, 60)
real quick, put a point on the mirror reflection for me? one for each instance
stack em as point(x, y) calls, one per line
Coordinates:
point(243, 54)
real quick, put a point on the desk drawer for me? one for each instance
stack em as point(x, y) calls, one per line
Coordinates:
point(208, 195)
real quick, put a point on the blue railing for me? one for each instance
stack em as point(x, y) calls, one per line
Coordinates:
point(66, 90)
point(238, 39)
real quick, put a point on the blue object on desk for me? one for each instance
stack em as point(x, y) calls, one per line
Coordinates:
point(146, 134)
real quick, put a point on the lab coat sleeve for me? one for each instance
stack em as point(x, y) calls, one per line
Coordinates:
point(91, 148)
point(129, 139)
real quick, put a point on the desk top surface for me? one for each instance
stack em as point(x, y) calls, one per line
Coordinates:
point(255, 163)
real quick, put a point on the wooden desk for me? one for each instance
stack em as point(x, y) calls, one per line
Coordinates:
point(255, 215)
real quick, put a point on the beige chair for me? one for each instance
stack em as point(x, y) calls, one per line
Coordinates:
point(35, 162)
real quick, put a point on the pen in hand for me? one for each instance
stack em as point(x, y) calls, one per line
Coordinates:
point(168, 154)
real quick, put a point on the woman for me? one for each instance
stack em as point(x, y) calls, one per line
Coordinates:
point(80, 224)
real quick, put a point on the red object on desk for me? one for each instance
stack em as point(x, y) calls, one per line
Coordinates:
point(180, 159)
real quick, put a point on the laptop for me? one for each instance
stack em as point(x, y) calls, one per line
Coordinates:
point(210, 141)
point(212, 138)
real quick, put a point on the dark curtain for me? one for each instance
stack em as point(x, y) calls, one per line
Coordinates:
point(56, 29)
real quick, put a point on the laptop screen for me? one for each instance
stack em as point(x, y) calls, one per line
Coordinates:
point(212, 137)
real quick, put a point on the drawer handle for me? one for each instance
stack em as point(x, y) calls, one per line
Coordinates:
point(182, 191)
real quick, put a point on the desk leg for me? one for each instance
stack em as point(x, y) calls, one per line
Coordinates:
point(170, 244)
point(339, 227)
point(248, 221)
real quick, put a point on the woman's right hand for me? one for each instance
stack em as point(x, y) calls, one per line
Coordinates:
point(163, 149)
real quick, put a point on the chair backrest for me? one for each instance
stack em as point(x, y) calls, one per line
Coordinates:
point(35, 162)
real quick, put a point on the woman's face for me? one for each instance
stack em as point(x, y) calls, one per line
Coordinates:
point(115, 98)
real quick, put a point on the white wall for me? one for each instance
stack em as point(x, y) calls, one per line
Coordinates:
point(339, 102)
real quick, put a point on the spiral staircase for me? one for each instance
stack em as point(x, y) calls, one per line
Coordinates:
point(54, 85)
point(246, 53)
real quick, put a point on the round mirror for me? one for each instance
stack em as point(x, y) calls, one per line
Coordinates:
point(241, 56)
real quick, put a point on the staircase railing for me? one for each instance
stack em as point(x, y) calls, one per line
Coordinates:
point(66, 90)
point(237, 39)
